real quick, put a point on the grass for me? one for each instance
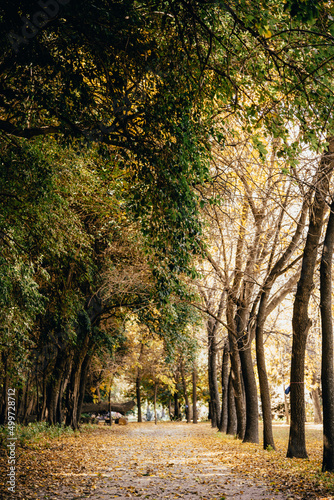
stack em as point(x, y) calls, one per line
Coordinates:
point(39, 433)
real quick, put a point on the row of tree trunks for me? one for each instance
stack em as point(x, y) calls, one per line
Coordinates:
point(301, 322)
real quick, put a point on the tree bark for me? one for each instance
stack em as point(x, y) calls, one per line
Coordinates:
point(155, 403)
point(138, 397)
point(232, 422)
point(268, 437)
point(186, 398)
point(170, 409)
point(195, 413)
point(176, 406)
point(327, 361)
point(225, 373)
point(212, 372)
point(54, 386)
point(316, 406)
point(83, 378)
point(237, 374)
point(301, 323)
point(286, 409)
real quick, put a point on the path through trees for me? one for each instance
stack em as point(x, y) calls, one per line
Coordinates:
point(171, 460)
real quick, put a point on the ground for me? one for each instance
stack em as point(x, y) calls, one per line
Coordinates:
point(168, 460)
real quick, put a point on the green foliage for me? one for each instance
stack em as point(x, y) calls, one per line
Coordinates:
point(303, 10)
point(35, 433)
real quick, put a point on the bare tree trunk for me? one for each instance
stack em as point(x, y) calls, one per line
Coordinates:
point(170, 409)
point(315, 396)
point(225, 373)
point(83, 378)
point(155, 403)
point(54, 386)
point(268, 437)
point(238, 388)
point(176, 406)
point(248, 377)
point(316, 405)
point(212, 372)
point(301, 322)
point(138, 383)
point(138, 397)
point(232, 423)
point(37, 394)
point(45, 397)
point(73, 393)
point(195, 413)
point(327, 363)
point(286, 409)
point(184, 385)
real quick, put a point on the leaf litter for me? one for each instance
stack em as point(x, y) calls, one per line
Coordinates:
point(169, 460)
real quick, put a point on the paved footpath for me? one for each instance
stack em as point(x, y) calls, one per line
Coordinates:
point(164, 461)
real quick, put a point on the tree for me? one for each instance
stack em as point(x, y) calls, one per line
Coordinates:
point(301, 323)
point(327, 366)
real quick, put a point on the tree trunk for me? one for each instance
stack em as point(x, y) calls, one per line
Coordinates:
point(316, 405)
point(83, 378)
point(20, 403)
point(236, 369)
point(238, 390)
point(186, 398)
point(286, 409)
point(195, 413)
point(176, 406)
point(327, 366)
point(225, 373)
point(45, 397)
point(301, 323)
point(251, 397)
point(37, 394)
point(54, 386)
point(232, 423)
point(73, 389)
point(138, 383)
point(72, 397)
point(212, 372)
point(138, 396)
point(155, 403)
point(268, 437)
